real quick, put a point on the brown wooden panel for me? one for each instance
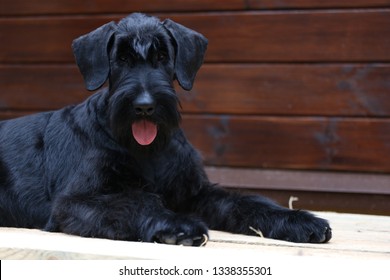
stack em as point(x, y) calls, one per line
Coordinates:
point(44, 38)
point(356, 35)
point(10, 114)
point(328, 201)
point(293, 180)
point(350, 35)
point(321, 89)
point(264, 89)
point(261, 4)
point(22, 7)
point(293, 143)
point(40, 87)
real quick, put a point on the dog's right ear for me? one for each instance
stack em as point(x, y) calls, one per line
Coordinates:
point(92, 55)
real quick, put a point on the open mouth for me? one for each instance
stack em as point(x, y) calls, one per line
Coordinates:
point(144, 132)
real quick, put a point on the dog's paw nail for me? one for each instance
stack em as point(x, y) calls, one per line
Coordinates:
point(200, 240)
point(327, 235)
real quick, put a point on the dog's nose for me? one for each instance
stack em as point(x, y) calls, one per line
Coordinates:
point(144, 104)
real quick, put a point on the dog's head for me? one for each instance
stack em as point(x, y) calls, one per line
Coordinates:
point(141, 57)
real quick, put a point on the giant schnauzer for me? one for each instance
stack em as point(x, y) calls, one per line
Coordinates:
point(117, 165)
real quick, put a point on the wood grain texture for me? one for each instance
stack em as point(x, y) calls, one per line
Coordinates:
point(306, 36)
point(40, 87)
point(285, 89)
point(254, 89)
point(328, 36)
point(42, 7)
point(293, 143)
point(355, 237)
point(359, 203)
point(43, 39)
point(289, 180)
point(315, 4)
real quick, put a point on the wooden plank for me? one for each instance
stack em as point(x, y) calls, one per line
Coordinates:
point(354, 236)
point(293, 143)
point(10, 114)
point(349, 202)
point(350, 35)
point(285, 89)
point(40, 87)
point(348, 231)
point(329, 36)
point(300, 180)
point(294, 4)
point(43, 7)
point(45, 39)
point(258, 89)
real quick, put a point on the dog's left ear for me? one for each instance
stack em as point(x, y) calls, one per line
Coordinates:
point(91, 53)
point(190, 51)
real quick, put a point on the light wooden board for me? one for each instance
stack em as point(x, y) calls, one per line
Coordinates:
point(354, 236)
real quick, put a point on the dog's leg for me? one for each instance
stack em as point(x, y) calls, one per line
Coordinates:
point(136, 216)
point(256, 215)
point(237, 213)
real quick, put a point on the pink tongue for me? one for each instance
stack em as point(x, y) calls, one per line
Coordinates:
point(144, 132)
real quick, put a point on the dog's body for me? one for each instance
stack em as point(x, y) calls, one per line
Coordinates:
point(117, 165)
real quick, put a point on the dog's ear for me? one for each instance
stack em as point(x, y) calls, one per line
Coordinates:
point(190, 50)
point(91, 53)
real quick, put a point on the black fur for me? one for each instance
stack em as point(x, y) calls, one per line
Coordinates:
point(81, 171)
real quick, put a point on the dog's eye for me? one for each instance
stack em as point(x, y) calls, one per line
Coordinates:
point(162, 56)
point(126, 57)
point(123, 58)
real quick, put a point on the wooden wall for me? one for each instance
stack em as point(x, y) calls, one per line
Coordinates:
point(294, 94)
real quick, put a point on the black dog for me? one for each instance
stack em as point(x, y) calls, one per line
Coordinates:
point(118, 166)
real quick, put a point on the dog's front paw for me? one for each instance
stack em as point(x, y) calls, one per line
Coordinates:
point(302, 227)
point(180, 230)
